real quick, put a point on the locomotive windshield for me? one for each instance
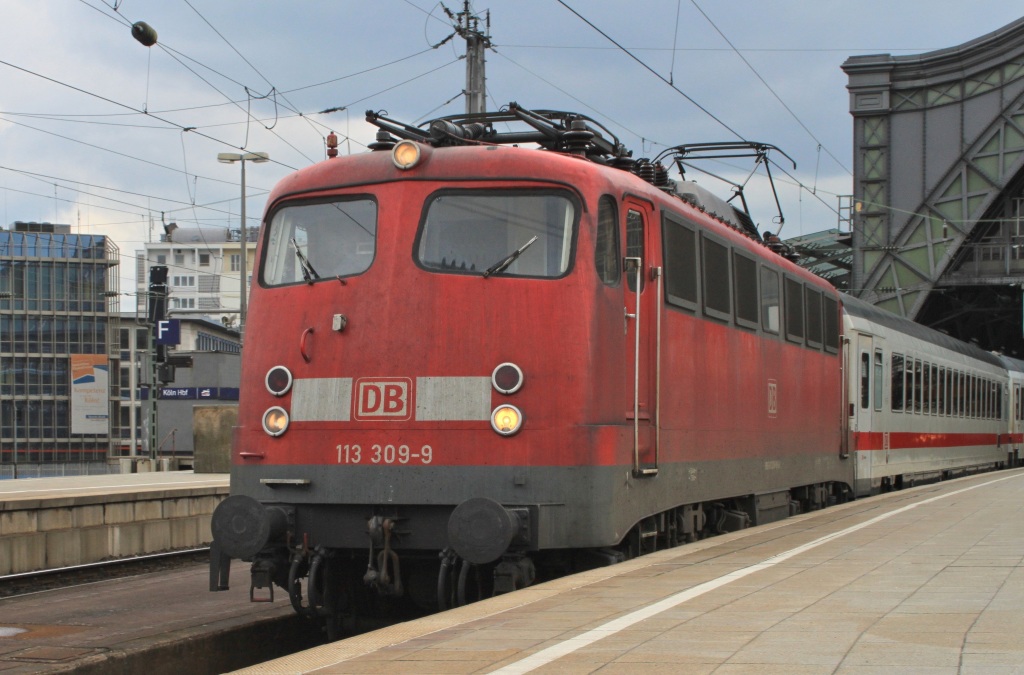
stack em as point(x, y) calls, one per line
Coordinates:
point(481, 232)
point(320, 241)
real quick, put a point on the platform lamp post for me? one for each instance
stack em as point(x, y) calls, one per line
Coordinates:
point(231, 158)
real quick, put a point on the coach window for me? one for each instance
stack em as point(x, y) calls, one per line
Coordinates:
point(320, 241)
point(606, 253)
point(942, 391)
point(717, 293)
point(968, 412)
point(744, 271)
point(954, 394)
point(681, 267)
point(918, 386)
point(927, 388)
point(972, 396)
point(896, 387)
point(769, 300)
point(865, 380)
point(794, 310)
point(879, 367)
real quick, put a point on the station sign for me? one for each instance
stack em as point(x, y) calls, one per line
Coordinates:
point(198, 393)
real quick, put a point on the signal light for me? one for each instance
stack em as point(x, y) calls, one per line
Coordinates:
point(279, 380)
point(507, 378)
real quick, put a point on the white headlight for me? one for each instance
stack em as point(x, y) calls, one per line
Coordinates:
point(506, 419)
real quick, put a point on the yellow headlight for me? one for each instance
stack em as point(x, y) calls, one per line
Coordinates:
point(506, 419)
point(406, 155)
point(275, 421)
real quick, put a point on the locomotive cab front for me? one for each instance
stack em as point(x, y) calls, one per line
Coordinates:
point(416, 376)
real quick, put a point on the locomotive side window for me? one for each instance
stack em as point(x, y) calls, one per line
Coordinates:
point(634, 244)
point(794, 310)
point(831, 311)
point(744, 270)
point(511, 233)
point(319, 241)
point(717, 280)
point(769, 300)
point(813, 314)
point(681, 267)
point(606, 253)
point(896, 388)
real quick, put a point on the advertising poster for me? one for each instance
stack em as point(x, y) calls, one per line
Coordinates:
point(89, 394)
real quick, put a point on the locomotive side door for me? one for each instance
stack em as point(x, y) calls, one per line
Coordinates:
point(642, 327)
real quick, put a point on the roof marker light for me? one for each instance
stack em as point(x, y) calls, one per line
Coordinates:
point(406, 155)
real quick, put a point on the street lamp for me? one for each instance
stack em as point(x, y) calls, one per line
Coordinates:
point(231, 158)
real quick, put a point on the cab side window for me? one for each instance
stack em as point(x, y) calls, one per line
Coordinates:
point(606, 253)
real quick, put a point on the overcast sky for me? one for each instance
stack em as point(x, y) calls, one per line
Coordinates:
point(101, 132)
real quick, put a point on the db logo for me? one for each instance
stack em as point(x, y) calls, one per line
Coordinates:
point(383, 399)
point(773, 398)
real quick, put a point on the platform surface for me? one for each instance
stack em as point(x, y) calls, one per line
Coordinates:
point(926, 580)
point(112, 484)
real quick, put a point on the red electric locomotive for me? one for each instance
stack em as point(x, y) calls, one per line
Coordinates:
point(468, 361)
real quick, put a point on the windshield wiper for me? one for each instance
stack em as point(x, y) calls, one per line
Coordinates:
point(502, 264)
point(308, 273)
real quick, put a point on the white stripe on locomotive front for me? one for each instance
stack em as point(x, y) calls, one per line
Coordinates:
point(448, 399)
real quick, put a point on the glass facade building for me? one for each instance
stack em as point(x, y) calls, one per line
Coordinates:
point(59, 345)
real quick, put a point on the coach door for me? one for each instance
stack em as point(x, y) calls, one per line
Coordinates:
point(642, 289)
point(866, 385)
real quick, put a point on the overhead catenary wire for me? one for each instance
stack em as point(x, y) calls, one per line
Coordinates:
point(769, 87)
point(654, 72)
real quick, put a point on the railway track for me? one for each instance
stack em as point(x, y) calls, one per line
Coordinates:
point(27, 583)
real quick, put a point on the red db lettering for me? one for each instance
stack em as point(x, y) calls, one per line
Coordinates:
point(394, 399)
point(378, 399)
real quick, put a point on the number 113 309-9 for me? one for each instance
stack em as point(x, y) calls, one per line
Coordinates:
point(383, 454)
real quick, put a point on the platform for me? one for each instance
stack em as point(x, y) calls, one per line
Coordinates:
point(46, 523)
point(926, 580)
